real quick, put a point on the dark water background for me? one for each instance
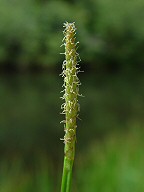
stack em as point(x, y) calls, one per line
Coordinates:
point(30, 109)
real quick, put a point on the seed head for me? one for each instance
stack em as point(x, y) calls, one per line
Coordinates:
point(71, 84)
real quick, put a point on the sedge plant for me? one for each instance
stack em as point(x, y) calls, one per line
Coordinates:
point(70, 107)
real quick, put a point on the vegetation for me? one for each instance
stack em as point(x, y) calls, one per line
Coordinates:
point(110, 139)
point(70, 107)
point(111, 32)
point(113, 165)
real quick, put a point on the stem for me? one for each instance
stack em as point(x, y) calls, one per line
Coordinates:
point(67, 175)
point(71, 106)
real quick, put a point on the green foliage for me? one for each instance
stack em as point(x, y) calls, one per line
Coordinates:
point(15, 177)
point(116, 164)
point(110, 32)
point(29, 130)
point(112, 164)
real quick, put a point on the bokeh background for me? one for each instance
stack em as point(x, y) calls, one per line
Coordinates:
point(110, 136)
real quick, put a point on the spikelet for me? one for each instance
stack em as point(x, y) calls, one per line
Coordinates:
point(71, 84)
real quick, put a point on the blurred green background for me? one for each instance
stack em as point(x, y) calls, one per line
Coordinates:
point(109, 151)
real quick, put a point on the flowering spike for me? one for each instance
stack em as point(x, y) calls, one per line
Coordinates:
point(71, 93)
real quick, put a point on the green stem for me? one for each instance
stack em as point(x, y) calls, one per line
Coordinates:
point(67, 175)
